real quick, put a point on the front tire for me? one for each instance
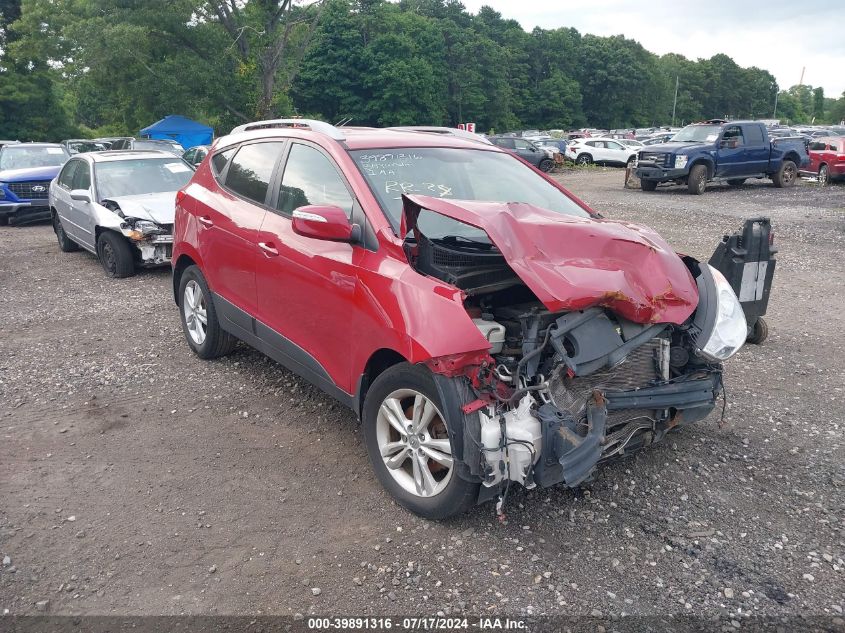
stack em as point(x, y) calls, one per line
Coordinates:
point(199, 317)
point(786, 175)
point(824, 176)
point(759, 332)
point(697, 181)
point(408, 444)
point(546, 165)
point(66, 245)
point(648, 185)
point(115, 255)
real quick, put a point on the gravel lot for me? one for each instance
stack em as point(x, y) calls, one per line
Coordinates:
point(137, 479)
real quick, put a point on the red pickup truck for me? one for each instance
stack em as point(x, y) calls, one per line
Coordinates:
point(827, 159)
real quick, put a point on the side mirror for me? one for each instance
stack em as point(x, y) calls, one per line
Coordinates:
point(80, 194)
point(325, 223)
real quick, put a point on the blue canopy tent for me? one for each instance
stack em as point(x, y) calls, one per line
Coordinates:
point(181, 129)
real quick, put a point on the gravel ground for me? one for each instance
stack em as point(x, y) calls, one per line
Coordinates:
point(137, 479)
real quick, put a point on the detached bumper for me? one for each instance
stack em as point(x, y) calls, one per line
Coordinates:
point(21, 212)
point(661, 174)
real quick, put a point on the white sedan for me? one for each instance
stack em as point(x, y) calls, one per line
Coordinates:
point(603, 151)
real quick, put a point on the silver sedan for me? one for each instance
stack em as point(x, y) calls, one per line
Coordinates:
point(119, 205)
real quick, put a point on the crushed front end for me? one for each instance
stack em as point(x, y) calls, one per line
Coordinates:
point(583, 374)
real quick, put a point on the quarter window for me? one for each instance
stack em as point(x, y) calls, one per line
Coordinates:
point(251, 169)
point(311, 178)
point(219, 160)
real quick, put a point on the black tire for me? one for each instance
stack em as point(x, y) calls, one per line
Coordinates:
point(458, 495)
point(584, 159)
point(218, 342)
point(648, 185)
point(759, 333)
point(546, 165)
point(736, 182)
point(115, 255)
point(66, 245)
point(824, 176)
point(786, 175)
point(697, 181)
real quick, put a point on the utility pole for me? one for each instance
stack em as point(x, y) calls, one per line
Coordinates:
point(675, 102)
point(775, 114)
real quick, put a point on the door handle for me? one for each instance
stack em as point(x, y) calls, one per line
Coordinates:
point(269, 249)
point(204, 219)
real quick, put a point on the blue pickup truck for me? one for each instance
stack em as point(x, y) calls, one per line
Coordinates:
point(718, 150)
point(26, 170)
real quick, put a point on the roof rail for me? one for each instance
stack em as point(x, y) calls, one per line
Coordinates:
point(317, 126)
point(439, 129)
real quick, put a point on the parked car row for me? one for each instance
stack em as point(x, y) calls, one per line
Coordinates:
point(462, 304)
point(26, 169)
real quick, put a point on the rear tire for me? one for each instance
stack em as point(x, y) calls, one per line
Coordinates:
point(390, 403)
point(115, 255)
point(786, 175)
point(584, 159)
point(546, 165)
point(66, 245)
point(736, 182)
point(648, 185)
point(697, 181)
point(207, 340)
point(824, 176)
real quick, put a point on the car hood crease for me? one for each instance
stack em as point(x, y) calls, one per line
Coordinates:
point(574, 263)
point(157, 207)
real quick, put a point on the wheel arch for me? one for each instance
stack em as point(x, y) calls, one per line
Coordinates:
point(793, 156)
point(379, 361)
point(179, 267)
point(711, 169)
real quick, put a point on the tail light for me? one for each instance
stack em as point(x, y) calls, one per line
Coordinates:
point(180, 195)
point(771, 237)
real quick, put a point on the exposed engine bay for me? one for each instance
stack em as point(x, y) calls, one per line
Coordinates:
point(561, 391)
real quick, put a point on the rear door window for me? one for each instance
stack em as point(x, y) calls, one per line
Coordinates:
point(754, 135)
point(251, 169)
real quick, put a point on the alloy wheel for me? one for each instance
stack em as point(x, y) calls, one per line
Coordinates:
point(788, 174)
point(194, 310)
point(824, 176)
point(414, 443)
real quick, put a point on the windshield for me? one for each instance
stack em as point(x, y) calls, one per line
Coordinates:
point(456, 174)
point(141, 176)
point(16, 157)
point(697, 134)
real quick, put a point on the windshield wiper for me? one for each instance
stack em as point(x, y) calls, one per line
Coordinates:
point(460, 239)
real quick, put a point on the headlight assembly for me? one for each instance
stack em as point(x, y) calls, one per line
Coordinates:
point(681, 161)
point(141, 229)
point(719, 317)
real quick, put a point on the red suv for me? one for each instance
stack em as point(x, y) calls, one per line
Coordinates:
point(827, 159)
point(484, 323)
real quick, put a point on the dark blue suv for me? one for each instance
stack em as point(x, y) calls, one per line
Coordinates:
point(26, 170)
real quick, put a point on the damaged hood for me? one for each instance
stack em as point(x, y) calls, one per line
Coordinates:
point(574, 263)
point(157, 207)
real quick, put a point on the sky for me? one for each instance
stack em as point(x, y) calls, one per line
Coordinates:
point(781, 36)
